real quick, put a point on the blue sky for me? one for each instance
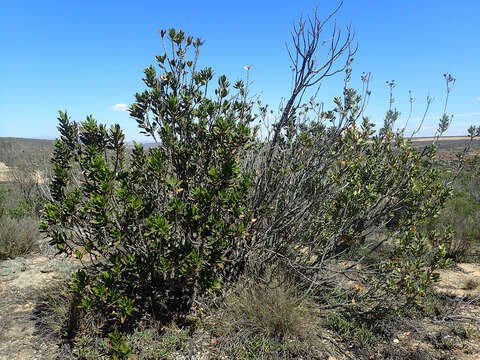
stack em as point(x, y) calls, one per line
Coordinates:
point(87, 56)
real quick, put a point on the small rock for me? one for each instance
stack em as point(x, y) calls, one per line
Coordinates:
point(46, 269)
point(5, 271)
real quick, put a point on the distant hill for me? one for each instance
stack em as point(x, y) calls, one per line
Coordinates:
point(16, 151)
point(448, 146)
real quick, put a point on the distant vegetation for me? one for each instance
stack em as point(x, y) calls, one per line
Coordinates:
point(22, 193)
point(325, 225)
point(16, 152)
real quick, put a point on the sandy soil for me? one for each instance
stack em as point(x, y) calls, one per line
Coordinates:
point(23, 280)
point(4, 172)
point(462, 281)
point(6, 175)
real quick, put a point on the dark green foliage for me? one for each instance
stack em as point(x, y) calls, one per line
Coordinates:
point(155, 233)
point(119, 350)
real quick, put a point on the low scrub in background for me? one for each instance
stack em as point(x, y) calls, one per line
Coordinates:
point(23, 194)
point(18, 236)
point(19, 230)
point(461, 214)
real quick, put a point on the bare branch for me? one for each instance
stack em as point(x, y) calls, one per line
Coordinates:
point(308, 71)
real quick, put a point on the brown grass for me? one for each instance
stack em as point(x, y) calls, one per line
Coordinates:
point(17, 236)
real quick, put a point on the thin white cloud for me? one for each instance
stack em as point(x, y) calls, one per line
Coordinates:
point(477, 99)
point(120, 107)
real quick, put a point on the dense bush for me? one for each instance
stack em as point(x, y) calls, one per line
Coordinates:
point(158, 231)
point(328, 197)
point(331, 191)
point(324, 198)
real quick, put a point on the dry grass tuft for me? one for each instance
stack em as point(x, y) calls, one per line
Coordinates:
point(470, 284)
point(58, 313)
point(275, 309)
point(267, 320)
point(17, 236)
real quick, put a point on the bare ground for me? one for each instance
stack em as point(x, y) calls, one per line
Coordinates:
point(21, 283)
point(4, 172)
point(23, 280)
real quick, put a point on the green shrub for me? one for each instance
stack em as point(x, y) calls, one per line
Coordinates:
point(331, 188)
point(158, 231)
point(17, 236)
point(11, 204)
point(29, 171)
point(461, 212)
point(19, 233)
point(353, 329)
point(464, 331)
